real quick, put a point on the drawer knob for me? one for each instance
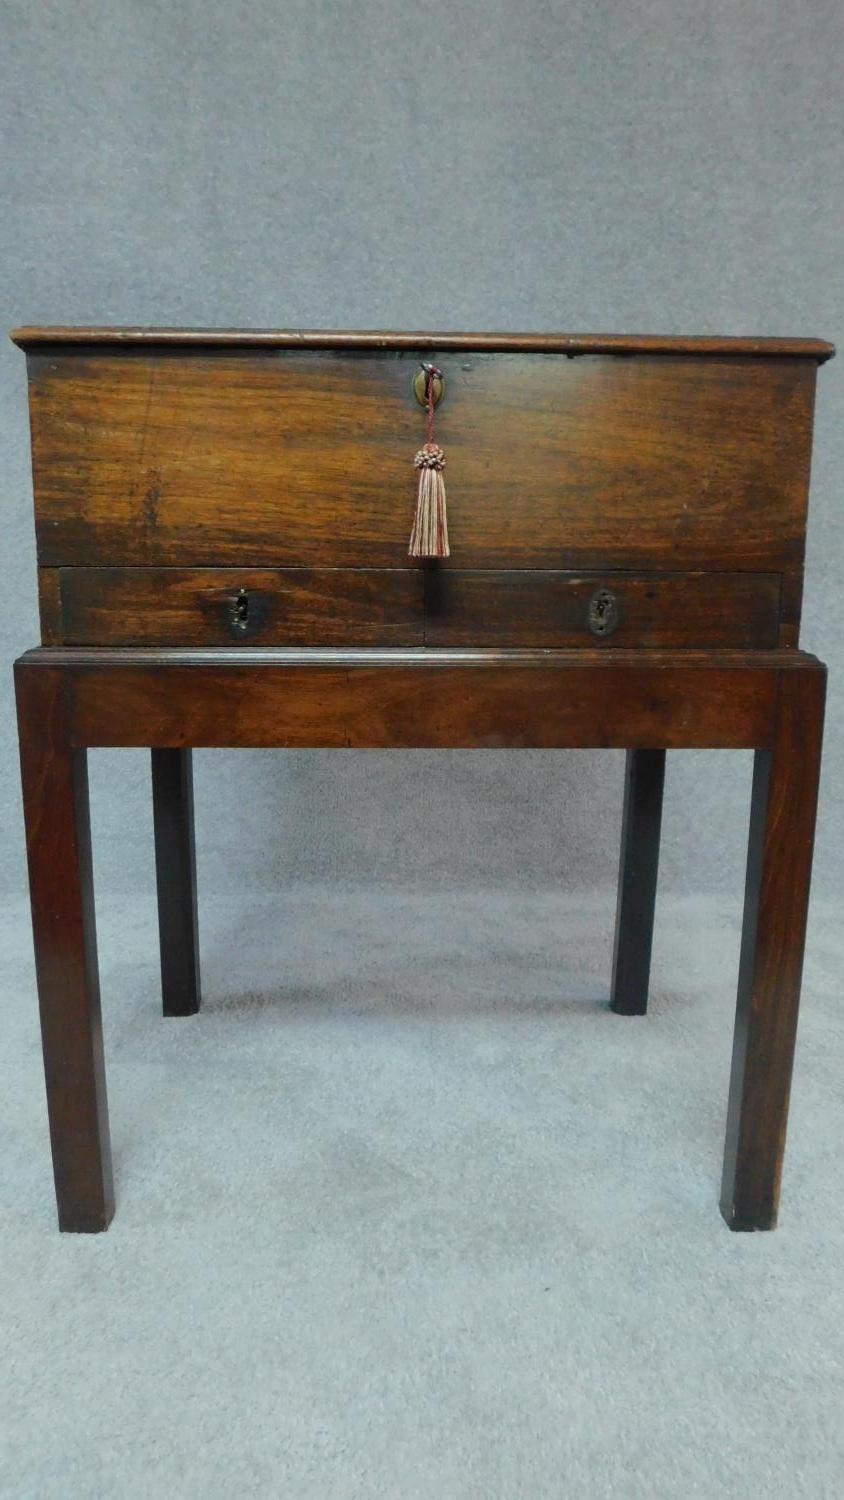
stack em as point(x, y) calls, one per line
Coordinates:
point(604, 612)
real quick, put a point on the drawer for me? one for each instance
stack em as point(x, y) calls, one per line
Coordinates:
point(222, 607)
point(412, 607)
point(563, 610)
point(303, 458)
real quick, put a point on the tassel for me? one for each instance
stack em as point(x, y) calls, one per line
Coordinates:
point(429, 537)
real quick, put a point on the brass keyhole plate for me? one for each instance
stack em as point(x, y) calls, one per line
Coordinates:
point(419, 388)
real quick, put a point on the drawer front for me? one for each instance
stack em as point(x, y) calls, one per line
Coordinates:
point(221, 607)
point(564, 610)
point(411, 607)
point(278, 458)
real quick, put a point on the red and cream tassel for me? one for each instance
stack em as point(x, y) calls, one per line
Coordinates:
point(429, 537)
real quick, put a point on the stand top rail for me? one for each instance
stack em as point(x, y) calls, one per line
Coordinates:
point(371, 699)
point(327, 656)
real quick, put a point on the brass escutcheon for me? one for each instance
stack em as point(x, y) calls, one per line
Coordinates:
point(420, 381)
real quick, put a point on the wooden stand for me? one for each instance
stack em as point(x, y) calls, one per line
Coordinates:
point(644, 701)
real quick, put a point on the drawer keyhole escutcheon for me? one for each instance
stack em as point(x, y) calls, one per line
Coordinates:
point(604, 614)
point(240, 610)
point(247, 613)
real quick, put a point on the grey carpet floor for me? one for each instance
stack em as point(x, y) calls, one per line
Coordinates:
point(407, 1212)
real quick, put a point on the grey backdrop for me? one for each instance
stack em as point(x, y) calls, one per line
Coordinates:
point(656, 166)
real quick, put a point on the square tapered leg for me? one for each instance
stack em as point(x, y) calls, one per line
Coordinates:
point(55, 794)
point(634, 923)
point(175, 871)
point(782, 828)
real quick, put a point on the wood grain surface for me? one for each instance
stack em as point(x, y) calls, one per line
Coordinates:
point(288, 458)
point(410, 607)
point(218, 606)
point(391, 699)
point(538, 608)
